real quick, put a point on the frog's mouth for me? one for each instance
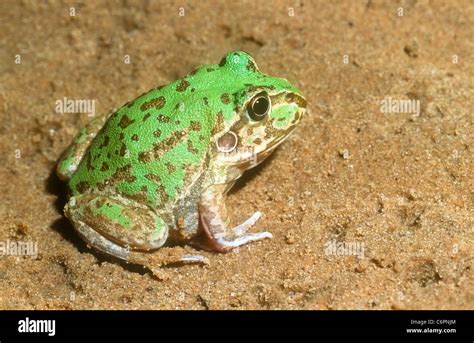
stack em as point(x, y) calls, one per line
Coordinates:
point(256, 159)
point(284, 134)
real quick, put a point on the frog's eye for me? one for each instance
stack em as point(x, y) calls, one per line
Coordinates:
point(259, 106)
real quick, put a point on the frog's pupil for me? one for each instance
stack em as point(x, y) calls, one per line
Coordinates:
point(260, 106)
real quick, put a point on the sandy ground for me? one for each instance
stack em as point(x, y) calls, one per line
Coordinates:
point(398, 184)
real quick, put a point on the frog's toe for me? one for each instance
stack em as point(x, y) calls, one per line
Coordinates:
point(240, 229)
point(217, 237)
point(194, 259)
point(242, 240)
point(162, 274)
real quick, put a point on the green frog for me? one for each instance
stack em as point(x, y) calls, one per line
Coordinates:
point(158, 169)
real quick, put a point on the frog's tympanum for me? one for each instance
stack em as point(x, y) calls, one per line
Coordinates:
point(159, 167)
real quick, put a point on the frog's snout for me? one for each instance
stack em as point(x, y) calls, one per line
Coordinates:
point(298, 99)
point(300, 102)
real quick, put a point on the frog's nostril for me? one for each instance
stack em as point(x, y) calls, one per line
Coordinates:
point(297, 99)
point(301, 102)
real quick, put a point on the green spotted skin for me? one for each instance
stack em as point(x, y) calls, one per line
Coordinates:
point(151, 147)
point(141, 171)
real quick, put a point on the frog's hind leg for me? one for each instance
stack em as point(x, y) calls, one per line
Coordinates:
point(116, 226)
point(124, 229)
point(73, 155)
point(99, 242)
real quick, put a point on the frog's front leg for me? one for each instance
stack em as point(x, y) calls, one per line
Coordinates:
point(215, 222)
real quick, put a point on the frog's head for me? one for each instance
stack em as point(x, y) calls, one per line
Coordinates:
point(265, 111)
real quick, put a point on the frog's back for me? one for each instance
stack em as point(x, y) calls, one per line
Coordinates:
point(154, 148)
point(150, 149)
